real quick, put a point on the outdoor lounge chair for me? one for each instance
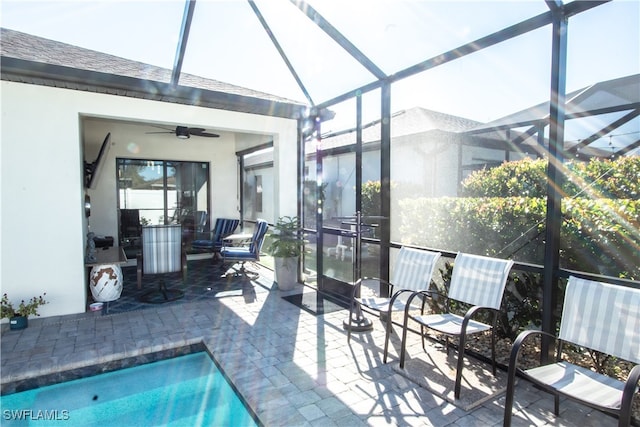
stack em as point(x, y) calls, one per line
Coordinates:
point(222, 228)
point(161, 253)
point(412, 272)
point(596, 316)
point(246, 253)
point(478, 281)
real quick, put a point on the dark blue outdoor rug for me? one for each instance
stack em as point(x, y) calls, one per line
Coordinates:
point(205, 280)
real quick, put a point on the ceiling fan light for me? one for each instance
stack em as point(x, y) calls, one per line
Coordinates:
point(182, 132)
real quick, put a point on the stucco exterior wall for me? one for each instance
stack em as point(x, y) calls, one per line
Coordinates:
point(43, 227)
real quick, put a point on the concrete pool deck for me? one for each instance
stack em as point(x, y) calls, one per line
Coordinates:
point(291, 367)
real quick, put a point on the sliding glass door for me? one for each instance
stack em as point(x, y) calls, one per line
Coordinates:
point(162, 192)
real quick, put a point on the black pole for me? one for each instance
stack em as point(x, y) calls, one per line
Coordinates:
point(359, 153)
point(300, 191)
point(357, 322)
point(385, 182)
point(241, 189)
point(319, 202)
point(554, 179)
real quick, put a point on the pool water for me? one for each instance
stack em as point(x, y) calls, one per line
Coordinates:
point(183, 391)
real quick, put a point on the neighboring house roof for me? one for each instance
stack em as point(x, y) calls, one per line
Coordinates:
point(419, 120)
point(441, 126)
point(36, 60)
point(413, 121)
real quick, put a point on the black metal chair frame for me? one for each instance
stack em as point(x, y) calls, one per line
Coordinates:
point(599, 383)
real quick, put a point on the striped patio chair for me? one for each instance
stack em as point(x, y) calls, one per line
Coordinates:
point(222, 228)
point(246, 253)
point(161, 253)
point(412, 271)
point(478, 281)
point(597, 316)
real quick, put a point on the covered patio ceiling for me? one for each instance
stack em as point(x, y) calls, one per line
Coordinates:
point(314, 53)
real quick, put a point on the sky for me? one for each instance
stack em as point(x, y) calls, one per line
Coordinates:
point(228, 44)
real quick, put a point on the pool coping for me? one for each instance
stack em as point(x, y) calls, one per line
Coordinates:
point(93, 367)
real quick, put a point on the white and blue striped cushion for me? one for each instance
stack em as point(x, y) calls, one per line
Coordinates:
point(161, 248)
point(258, 237)
point(602, 317)
point(413, 269)
point(252, 251)
point(479, 280)
point(222, 228)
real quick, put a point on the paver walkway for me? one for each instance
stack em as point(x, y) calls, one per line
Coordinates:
point(293, 368)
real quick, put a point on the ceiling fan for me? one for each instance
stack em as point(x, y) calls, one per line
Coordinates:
point(184, 132)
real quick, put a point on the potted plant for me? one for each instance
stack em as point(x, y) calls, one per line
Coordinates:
point(18, 316)
point(287, 244)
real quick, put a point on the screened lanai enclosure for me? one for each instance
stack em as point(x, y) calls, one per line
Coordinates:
point(505, 128)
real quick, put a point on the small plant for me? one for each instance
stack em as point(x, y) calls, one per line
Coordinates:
point(24, 308)
point(287, 240)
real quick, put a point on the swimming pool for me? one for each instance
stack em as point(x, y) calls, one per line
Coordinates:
point(183, 391)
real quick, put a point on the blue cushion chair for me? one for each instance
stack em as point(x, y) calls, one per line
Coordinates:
point(246, 253)
point(222, 228)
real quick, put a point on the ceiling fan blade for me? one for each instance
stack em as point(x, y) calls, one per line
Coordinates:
point(185, 132)
point(207, 134)
point(202, 132)
point(166, 130)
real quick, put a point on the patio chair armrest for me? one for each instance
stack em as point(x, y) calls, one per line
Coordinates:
point(358, 284)
point(424, 293)
point(630, 388)
point(517, 344)
point(228, 244)
point(469, 314)
point(396, 294)
point(439, 296)
point(511, 372)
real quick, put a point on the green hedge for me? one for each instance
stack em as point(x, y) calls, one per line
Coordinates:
point(503, 214)
point(597, 236)
point(610, 179)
